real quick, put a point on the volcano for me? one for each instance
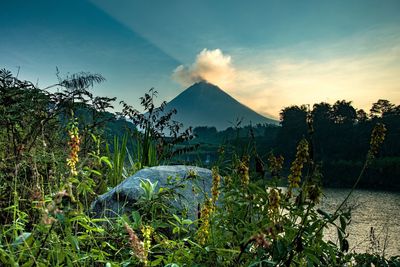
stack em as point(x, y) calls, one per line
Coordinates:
point(205, 104)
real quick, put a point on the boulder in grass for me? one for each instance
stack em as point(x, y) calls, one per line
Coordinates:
point(191, 183)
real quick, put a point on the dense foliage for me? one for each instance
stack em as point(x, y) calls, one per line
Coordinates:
point(340, 135)
point(56, 157)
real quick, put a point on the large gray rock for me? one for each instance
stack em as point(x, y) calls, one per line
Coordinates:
point(193, 181)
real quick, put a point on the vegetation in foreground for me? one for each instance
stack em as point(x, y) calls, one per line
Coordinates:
point(53, 165)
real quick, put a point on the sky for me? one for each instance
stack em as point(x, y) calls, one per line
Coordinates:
point(267, 54)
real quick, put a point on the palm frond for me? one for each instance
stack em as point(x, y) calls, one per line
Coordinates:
point(81, 80)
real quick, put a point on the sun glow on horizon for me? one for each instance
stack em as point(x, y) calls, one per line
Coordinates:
point(268, 81)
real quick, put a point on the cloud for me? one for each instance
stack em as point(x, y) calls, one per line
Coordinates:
point(277, 83)
point(362, 78)
point(210, 65)
point(361, 68)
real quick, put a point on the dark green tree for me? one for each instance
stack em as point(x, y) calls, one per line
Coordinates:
point(362, 116)
point(381, 108)
point(322, 125)
point(343, 112)
point(205, 131)
point(294, 128)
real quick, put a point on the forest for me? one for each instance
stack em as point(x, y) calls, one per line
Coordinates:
point(340, 135)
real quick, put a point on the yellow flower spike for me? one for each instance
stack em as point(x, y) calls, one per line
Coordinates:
point(274, 199)
point(314, 193)
point(147, 232)
point(275, 164)
point(204, 230)
point(377, 138)
point(216, 179)
point(297, 165)
point(74, 146)
point(243, 171)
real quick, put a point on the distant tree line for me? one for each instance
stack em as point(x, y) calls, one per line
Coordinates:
point(339, 135)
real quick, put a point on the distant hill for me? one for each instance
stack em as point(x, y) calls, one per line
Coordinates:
point(204, 104)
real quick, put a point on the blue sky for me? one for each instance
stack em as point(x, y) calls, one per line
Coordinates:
point(267, 54)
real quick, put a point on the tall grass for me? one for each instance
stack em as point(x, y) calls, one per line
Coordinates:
point(118, 171)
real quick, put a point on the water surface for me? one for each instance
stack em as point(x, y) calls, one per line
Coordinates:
point(376, 209)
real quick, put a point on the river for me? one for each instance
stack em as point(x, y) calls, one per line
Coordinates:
point(376, 209)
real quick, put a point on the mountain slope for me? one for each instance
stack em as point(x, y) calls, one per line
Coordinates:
point(204, 104)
